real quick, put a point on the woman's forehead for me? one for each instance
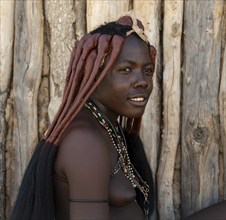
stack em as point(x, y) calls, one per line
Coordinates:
point(133, 41)
point(134, 48)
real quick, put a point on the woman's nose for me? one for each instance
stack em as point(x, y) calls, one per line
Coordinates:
point(140, 80)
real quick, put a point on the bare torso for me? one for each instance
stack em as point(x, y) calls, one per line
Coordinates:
point(119, 191)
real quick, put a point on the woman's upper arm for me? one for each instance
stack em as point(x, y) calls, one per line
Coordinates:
point(85, 163)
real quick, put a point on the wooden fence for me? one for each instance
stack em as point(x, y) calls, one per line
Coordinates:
point(184, 126)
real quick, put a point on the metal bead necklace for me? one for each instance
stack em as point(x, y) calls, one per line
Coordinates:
point(118, 140)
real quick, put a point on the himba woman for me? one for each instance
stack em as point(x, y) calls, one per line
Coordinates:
point(91, 164)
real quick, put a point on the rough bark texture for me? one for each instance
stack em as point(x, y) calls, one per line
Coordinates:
point(172, 30)
point(60, 18)
point(6, 50)
point(222, 105)
point(109, 11)
point(28, 49)
point(184, 125)
point(200, 110)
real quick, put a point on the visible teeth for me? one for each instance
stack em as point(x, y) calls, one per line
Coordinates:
point(137, 99)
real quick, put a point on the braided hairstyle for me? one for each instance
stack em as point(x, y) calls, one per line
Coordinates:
point(87, 68)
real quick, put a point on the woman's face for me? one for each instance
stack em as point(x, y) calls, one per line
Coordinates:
point(127, 86)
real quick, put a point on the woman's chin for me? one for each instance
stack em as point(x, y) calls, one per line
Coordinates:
point(137, 114)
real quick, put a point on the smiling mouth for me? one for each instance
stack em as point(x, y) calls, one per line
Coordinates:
point(138, 99)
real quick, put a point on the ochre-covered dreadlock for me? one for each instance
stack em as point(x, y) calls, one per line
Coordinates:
point(87, 68)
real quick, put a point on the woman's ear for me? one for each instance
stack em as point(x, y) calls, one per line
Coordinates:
point(153, 53)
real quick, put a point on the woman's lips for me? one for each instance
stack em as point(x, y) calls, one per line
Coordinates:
point(138, 101)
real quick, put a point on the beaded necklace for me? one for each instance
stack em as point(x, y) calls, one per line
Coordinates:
point(118, 140)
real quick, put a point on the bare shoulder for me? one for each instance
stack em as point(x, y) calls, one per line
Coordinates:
point(83, 146)
point(83, 159)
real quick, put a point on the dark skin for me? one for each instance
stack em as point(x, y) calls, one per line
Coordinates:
point(214, 212)
point(86, 156)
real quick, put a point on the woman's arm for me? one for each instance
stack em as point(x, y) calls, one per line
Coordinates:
point(83, 157)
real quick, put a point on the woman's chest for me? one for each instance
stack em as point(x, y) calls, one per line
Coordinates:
point(122, 199)
point(121, 192)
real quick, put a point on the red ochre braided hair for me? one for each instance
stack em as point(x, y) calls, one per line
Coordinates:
point(86, 60)
point(87, 68)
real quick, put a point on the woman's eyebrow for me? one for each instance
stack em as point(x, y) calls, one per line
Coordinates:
point(124, 61)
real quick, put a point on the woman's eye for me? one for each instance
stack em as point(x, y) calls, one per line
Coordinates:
point(126, 70)
point(149, 71)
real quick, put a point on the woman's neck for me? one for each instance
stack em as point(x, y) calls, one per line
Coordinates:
point(112, 116)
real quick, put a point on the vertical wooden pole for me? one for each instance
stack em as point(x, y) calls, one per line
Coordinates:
point(172, 31)
point(200, 110)
point(27, 69)
point(109, 10)
point(222, 105)
point(64, 27)
point(6, 51)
